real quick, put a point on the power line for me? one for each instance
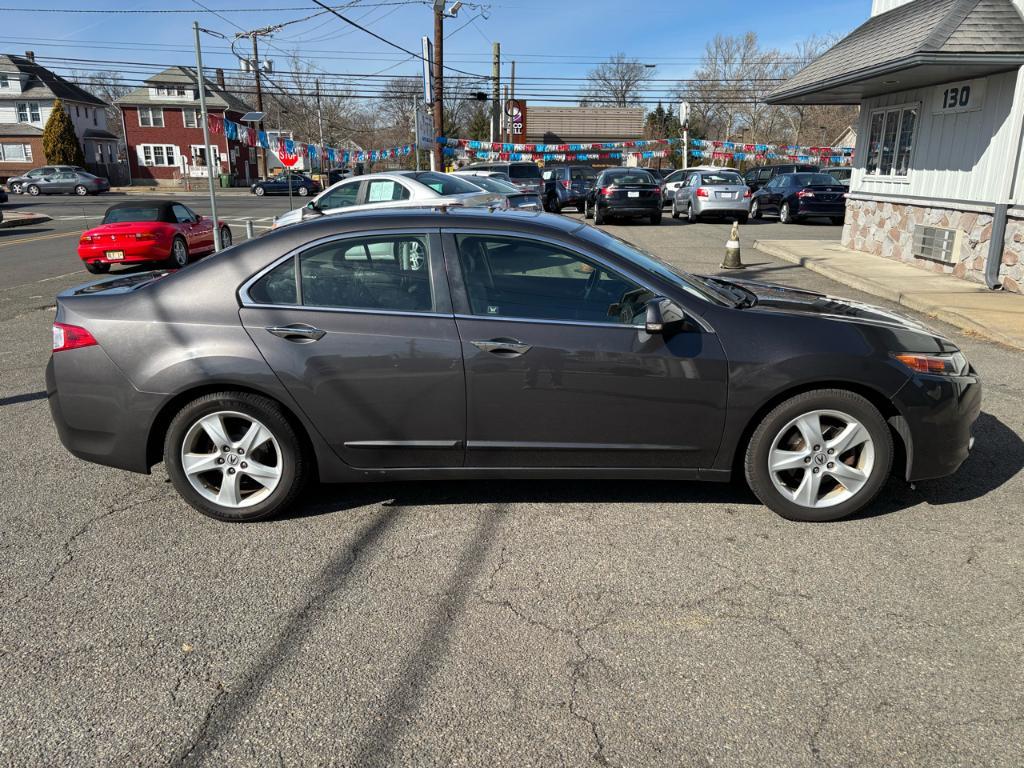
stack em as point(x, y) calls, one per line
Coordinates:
point(144, 11)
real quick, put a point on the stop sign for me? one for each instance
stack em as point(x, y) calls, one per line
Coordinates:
point(287, 159)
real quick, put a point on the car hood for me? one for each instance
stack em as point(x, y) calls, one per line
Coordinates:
point(778, 298)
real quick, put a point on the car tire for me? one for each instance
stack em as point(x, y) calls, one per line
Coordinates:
point(179, 253)
point(656, 217)
point(755, 209)
point(691, 216)
point(97, 267)
point(225, 237)
point(279, 455)
point(16, 189)
point(303, 191)
point(675, 211)
point(259, 191)
point(32, 190)
point(588, 212)
point(838, 220)
point(785, 216)
point(742, 218)
point(599, 218)
point(797, 477)
point(81, 190)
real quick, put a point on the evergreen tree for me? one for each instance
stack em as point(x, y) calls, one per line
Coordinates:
point(60, 144)
point(479, 126)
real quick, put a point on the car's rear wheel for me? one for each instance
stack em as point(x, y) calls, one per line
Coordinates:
point(819, 456)
point(755, 209)
point(97, 267)
point(225, 237)
point(691, 215)
point(259, 191)
point(179, 253)
point(588, 211)
point(599, 217)
point(303, 191)
point(785, 216)
point(32, 189)
point(675, 211)
point(81, 190)
point(234, 456)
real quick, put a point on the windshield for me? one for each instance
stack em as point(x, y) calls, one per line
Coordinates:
point(524, 171)
point(493, 185)
point(445, 184)
point(812, 179)
point(135, 213)
point(720, 179)
point(629, 177)
point(651, 263)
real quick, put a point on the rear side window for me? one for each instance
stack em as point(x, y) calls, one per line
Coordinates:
point(446, 184)
point(525, 171)
point(277, 286)
point(384, 190)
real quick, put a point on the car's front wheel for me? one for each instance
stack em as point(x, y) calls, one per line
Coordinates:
point(234, 456)
point(81, 190)
point(33, 190)
point(259, 191)
point(179, 253)
point(819, 456)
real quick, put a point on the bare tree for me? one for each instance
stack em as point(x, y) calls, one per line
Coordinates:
point(618, 82)
point(107, 86)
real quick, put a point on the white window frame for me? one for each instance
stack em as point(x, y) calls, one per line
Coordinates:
point(901, 109)
point(172, 91)
point(197, 150)
point(149, 112)
point(4, 81)
point(149, 155)
point(26, 153)
point(195, 117)
point(32, 112)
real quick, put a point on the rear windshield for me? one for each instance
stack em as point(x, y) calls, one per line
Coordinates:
point(525, 171)
point(720, 179)
point(584, 173)
point(812, 179)
point(135, 213)
point(445, 184)
point(493, 185)
point(629, 177)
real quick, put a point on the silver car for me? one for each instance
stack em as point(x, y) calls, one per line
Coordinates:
point(498, 183)
point(396, 189)
point(66, 183)
point(712, 192)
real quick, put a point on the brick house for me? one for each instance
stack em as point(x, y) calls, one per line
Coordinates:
point(164, 131)
point(27, 93)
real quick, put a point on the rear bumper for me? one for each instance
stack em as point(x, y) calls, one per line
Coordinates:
point(711, 207)
point(134, 252)
point(938, 415)
point(820, 209)
point(630, 207)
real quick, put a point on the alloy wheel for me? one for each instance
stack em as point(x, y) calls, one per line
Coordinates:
point(33, 190)
point(179, 253)
point(784, 215)
point(225, 237)
point(231, 459)
point(80, 190)
point(821, 458)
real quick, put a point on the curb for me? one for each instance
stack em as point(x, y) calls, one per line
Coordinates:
point(24, 220)
point(953, 317)
point(176, 192)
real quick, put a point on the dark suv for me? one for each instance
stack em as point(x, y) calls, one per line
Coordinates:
point(523, 174)
point(756, 178)
point(567, 186)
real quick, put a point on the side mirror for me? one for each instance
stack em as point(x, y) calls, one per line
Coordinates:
point(310, 210)
point(654, 323)
point(199, 217)
point(663, 315)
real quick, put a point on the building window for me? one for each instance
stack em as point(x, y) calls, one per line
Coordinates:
point(199, 155)
point(95, 117)
point(191, 117)
point(4, 82)
point(77, 113)
point(28, 112)
point(151, 117)
point(158, 154)
point(175, 91)
point(891, 141)
point(16, 153)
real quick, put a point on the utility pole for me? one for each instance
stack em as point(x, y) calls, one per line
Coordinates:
point(438, 156)
point(206, 137)
point(261, 155)
point(511, 100)
point(506, 130)
point(496, 93)
point(320, 126)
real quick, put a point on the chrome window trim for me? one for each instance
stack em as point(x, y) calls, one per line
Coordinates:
point(247, 301)
point(584, 323)
point(349, 310)
point(584, 253)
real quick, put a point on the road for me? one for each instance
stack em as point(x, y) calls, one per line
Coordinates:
point(502, 623)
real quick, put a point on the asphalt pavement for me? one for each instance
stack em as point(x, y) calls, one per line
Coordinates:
point(500, 623)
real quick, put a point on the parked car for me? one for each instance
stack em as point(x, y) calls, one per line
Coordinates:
point(718, 193)
point(493, 182)
point(758, 177)
point(841, 173)
point(158, 231)
point(567, 186)
point(374, 347)
point(677, 178)
point(628, 192)
point(796, 196)
point(66, 183)
point(397, 189)
point(300, 184)
point(524, 174)
point(16, 183)
point(338, 174)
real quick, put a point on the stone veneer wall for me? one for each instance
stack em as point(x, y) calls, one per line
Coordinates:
point(887, 229)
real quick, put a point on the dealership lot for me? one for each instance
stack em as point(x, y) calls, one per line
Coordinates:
point(519, 623)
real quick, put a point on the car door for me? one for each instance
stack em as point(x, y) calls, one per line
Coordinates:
point(769, 197)
point(62, 181)
point(202, 228)
point(558, 373)
point(360, 330)
point(383, 193)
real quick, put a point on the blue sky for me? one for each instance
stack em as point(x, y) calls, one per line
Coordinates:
point(546, 38)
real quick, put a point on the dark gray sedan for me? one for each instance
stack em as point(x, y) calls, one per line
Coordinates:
point(464, 343)
point(67, 183)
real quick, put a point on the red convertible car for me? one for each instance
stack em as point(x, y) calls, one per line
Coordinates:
point(164, 231)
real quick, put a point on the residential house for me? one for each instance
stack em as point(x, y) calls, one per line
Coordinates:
point(164, 131)
point(27, 93)
point(938, 179)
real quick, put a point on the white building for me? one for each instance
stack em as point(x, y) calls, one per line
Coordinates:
point(938, 179)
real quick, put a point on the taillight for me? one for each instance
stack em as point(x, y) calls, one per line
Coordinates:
point(804, 193)
point(70, 337)
point(145, 236)
point(605, 191)
point(566, 184)
point(746, 192)
point(86, 239)
point(701, 192)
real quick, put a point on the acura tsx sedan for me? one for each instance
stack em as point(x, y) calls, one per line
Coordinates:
point(464, 343)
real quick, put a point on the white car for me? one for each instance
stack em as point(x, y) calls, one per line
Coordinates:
point(394, 189)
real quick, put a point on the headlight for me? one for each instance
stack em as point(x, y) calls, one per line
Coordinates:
point(948, 365)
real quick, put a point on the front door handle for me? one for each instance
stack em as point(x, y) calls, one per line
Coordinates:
point(299, 332)
point(503, 347)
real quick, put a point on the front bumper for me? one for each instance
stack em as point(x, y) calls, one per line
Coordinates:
point(937, 417)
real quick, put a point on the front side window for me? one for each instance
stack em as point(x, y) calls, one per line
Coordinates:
point(340, 197)
point(182, 214)
point(384, 273)
point(514, 277)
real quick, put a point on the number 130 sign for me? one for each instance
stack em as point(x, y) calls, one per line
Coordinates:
point(967, 96)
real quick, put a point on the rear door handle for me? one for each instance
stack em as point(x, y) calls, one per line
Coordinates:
point(299, 332)
point(503, 347)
